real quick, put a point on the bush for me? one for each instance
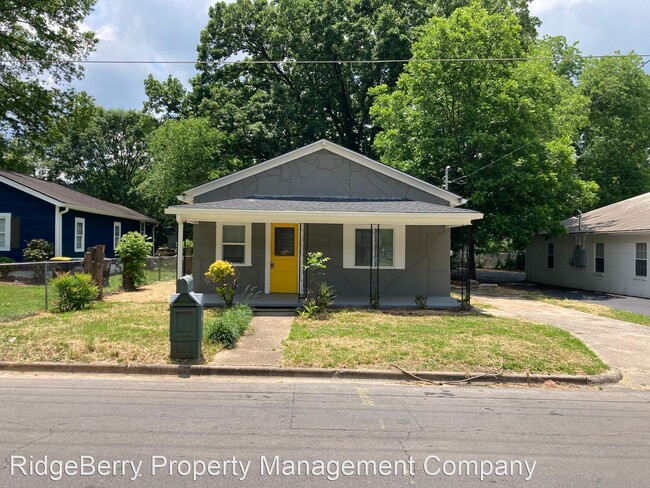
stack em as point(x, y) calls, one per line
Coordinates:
point(224, 276)
point(319, 296)
point(38, 250)
point(5, 260)
point(75, 292)
point(229, 326)
point(133, 250)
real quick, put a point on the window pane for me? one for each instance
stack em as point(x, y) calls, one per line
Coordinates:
point(362, 247)
point(385, 247)
point(600, 250)
point(284, 241)
point(3, 232)
point(641, 250)
point(78, 242)
point(234, 233)
point(234, 253)
point(80, 228)
point(641, 267)
point(117, 231)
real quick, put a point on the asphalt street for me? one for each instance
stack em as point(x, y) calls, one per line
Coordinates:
point(105, 432)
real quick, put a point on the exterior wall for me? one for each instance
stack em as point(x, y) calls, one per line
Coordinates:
point(36, 218)
point(99, 230)
point(205, 242)
point(619, 276)
point(320, 174)
point(426, 271)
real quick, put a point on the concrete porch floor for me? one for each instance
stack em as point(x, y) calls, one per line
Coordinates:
point(290, 300)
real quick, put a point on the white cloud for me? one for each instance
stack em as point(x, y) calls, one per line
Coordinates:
point(538, 7)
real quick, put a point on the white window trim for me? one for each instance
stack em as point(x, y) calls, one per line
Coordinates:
point(83, 234)
point(247, 242)
point(143, 228)
point(7, 231)
point(599, 273)
point(636, 258)
point(399, 246)
point(119, 236)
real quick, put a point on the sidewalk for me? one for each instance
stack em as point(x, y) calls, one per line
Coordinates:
point(623, 345)
point(263, 347)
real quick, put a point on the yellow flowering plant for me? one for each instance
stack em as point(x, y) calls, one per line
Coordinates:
point(224, 276)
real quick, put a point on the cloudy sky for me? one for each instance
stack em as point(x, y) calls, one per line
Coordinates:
point(169, 30)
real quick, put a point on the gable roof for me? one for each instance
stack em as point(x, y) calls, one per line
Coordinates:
point(631, 215)
point(454, 200)
point(65, 197)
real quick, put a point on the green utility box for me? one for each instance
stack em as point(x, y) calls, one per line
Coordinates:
point(186, 321)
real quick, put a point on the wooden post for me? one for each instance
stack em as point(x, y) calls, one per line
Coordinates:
point(94, 266)
point(98, 269)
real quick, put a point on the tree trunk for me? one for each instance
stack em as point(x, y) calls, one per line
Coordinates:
point(127, 280)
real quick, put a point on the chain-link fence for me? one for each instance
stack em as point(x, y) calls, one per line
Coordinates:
point(25, 287)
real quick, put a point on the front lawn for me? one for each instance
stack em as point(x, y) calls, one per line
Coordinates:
point(436, 341)
point(114, 332)
point(17, 300)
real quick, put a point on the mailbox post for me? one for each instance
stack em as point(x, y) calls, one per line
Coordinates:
point(186, 321)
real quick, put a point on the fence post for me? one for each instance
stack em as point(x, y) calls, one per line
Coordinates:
point(45, 278)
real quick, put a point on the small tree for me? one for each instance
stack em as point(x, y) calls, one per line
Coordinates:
point(320, 295)
point(133, 250)
point(224, 276)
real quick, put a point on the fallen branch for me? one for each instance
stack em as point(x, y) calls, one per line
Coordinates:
point(453, 382)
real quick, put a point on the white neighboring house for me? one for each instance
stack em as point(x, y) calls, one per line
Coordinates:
point(603, 250)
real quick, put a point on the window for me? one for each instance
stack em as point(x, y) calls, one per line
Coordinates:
point(117, 233)
point(79, 234)
point(233, 243)
point(641, 264)
point(143, 228)
point(550, 255)
point(376, 245)
point(599, 264)
point(5, 231)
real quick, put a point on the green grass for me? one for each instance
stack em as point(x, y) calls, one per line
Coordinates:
point(20, 300)
point(421, 341)
point(114, 332)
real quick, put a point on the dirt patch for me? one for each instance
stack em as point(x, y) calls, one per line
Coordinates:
point(155, 292)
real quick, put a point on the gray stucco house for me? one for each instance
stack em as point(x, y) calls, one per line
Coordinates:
point(386, 232)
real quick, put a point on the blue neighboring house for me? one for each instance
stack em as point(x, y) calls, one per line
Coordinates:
point(35, 209)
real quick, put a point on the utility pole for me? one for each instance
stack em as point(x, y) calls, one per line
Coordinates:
point(446, 179)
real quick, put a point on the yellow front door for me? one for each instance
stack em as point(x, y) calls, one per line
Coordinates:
point(284, 258)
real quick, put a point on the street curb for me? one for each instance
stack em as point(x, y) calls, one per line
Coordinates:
point(186, 370)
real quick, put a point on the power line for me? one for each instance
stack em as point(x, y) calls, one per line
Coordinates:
point(528, 143)
point(290, 61)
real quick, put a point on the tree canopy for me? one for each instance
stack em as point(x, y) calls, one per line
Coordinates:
point(614, 147)
point(505, 128)
point(35, 36)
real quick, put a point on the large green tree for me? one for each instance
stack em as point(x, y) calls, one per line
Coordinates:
point(102, 152)
point(504, 127)
point(37, 37)
point(614, 148)
point(271, 108)
point(185, 153)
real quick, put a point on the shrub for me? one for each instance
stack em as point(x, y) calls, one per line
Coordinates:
point(229, 326)
point(75, 292)
point(38, 250)
point(224, 276)
point(5, 260)
point(319, 296)
point(420, 301)
point(133, 250)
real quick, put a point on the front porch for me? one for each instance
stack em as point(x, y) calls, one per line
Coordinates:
point(292, 301)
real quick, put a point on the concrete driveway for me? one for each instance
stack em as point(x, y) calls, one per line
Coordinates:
point(517, 280)
point(623, 345)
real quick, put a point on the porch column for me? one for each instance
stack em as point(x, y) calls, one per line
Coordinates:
point(179, 248)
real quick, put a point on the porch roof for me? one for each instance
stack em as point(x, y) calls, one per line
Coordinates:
point(309, 209)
